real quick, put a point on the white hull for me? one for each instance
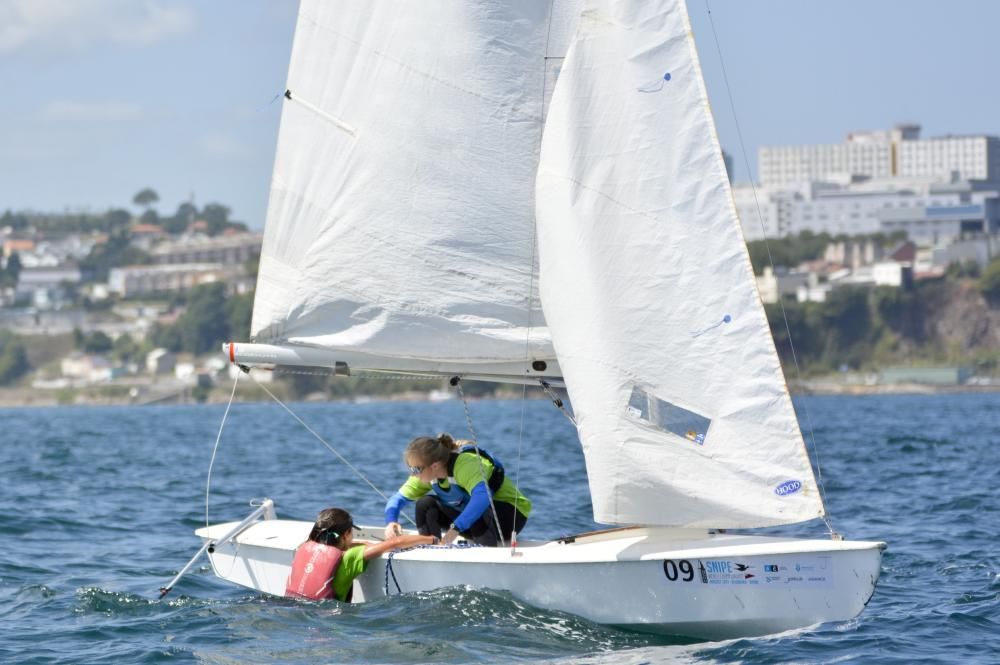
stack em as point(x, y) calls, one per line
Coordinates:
point(670, 581)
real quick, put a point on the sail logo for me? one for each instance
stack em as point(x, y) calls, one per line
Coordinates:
point(788, 487)
point(656, 85)
point(698, 333)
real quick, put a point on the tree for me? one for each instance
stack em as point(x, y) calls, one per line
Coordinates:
point(899, 309)
point(145, 198)
point(217, 216)
point(238, 312)
point(125, 349)
point(989, 283)
point(97, 342)
point(11, 272)
point(789, 251)
point(186, 213)
point(960, 269)
point(846, 320)
point(252, 266)
point(13, 358)
point(16, 221)
point(792, 319)
point(117, 251)
point(117, 219)
point(203, 326)
point(168, 337)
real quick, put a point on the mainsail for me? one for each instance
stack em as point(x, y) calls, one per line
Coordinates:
point(648, 292)
point(400, 224)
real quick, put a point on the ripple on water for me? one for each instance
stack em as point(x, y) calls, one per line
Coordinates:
point(117, 492)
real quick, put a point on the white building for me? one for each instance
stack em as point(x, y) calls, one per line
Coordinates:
point(814, 290)
point(970, 157)
point(234, 249)
point(928, 211)
point(160, 361)
point(133, 281)
point(89, 368)
point(852, 254)
point(47, 287)
point(772, 285)
point(979, 250)
point(899, 152)
point(891, 273)
point(56, 252)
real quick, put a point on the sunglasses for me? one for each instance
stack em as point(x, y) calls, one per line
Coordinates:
point(415, 470)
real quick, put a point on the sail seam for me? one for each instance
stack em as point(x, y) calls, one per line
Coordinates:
point(410, 68)
point(643, 213)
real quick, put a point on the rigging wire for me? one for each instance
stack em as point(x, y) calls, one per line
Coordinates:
point(457, 382)
point(215, 448)
point(770, 258)
point(328, 446)
point(530, 298)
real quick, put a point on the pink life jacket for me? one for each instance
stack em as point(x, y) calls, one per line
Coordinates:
point(313, 569)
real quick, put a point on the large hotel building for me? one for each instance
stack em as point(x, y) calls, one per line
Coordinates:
point(935, 189)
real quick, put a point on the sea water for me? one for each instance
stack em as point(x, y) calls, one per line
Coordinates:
point(99, 506)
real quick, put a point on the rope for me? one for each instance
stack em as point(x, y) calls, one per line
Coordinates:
point(388, 561)
point(328, 446)
point(557, 401)
point(356, 374)
point(215, 448)
point(457, 382)
point(390, 571)
point(770, 259)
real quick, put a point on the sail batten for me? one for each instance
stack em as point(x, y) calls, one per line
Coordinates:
point(681, 405)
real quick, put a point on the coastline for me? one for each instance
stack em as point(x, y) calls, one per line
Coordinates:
point(820, 387)
point(14, 398)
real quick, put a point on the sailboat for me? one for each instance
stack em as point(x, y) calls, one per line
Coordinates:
point(532, 192)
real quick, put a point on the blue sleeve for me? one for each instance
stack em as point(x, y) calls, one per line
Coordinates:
point(479, 502)
point(395, 503)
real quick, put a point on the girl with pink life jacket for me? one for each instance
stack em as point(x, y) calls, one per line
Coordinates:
point(325, 565)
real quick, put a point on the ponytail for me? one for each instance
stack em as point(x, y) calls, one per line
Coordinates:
point(445, 439)
point(427, 450)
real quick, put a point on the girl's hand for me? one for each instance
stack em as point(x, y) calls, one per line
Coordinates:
point(450, 536)
point(392, 529)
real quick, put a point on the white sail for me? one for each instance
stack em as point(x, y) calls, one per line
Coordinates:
point(401, 215)
point(648, 291)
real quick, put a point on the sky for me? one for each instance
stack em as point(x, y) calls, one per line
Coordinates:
point(102, 98)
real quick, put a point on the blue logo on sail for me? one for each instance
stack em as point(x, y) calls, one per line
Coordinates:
point(656, 85)
point(726, 319)
point(788, 487)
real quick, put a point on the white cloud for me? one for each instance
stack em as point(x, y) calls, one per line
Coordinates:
point(223, 146)
point(102, 110)
point(60, 25)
